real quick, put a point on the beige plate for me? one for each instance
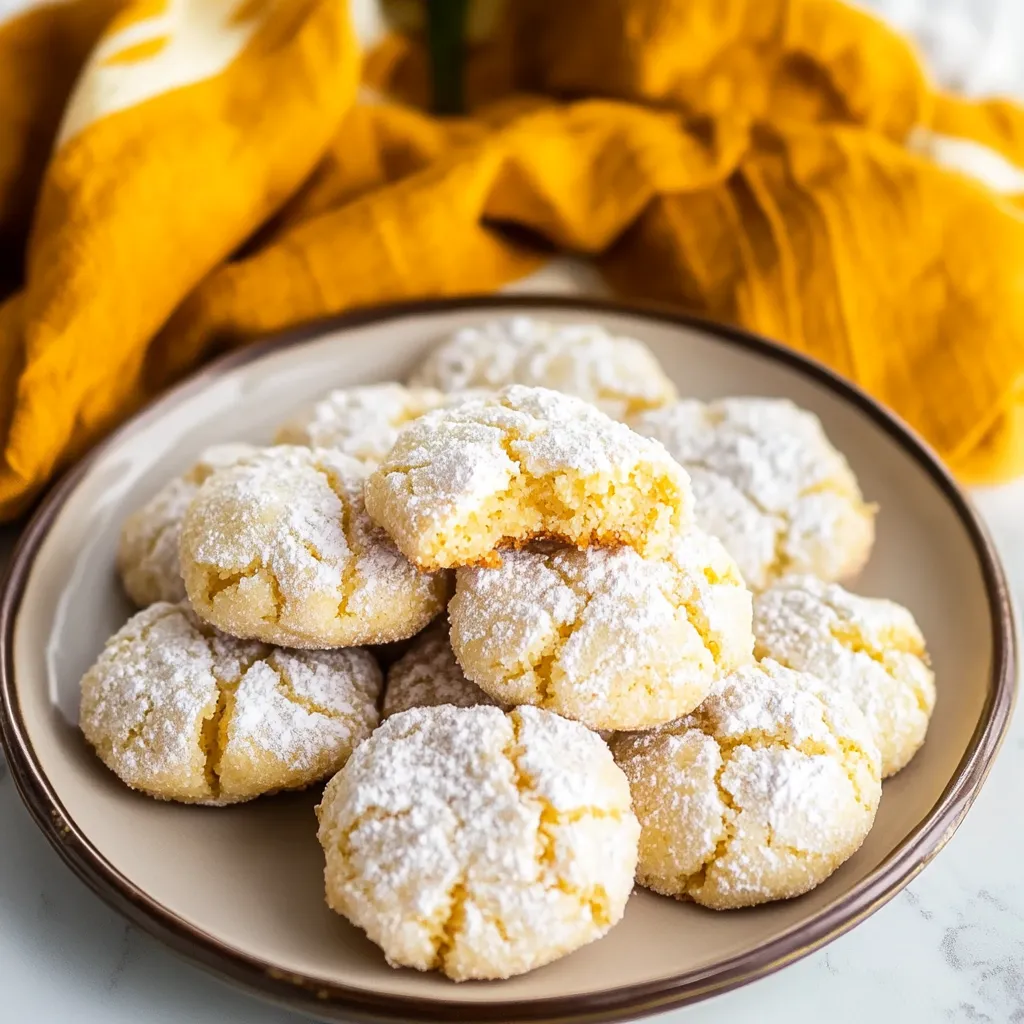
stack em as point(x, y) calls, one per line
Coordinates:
point(239, 890)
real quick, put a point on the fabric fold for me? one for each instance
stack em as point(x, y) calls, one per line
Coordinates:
point(191, 124)
point(781, 165)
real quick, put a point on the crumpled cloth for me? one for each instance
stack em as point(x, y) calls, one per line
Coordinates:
point(215, 173)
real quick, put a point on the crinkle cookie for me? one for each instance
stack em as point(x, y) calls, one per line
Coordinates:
point(528, 462)
point(478, 843)
point(362, 421)
point(280, 549)
point(147, 555)
point(869, 649)
point(758, 795)
point(618, 374)
point(601, 635)
point(769, 485)
point(182, 712)
point(428, 675)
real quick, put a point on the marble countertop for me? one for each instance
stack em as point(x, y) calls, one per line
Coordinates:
point(950, 947)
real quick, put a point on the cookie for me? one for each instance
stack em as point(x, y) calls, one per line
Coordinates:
point(147, 554)
point(617, 374)
point(362, 422)
point(869, 649)
point(759, 795)
point(769, 484)
point(280, 549)
point(428, 675)
point(529, 462)
point(602, 635)
point(478, 843)
point(182, 712)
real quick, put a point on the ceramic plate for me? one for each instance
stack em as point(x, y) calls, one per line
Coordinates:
point(239, 890)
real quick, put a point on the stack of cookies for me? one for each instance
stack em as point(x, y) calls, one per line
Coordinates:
point(631, 657)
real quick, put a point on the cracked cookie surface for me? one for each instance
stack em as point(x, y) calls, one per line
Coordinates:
point(528, 462)
point(182, 712)
point(478, 843)
point(147, 554)
point(759, 795)
point(281, 549)
point(769, 484)
point(617, 374)
point(428, 675)
point(870, 649)
point(363, 422)
point(601, 635)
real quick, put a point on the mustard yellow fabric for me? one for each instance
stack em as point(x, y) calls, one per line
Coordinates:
point(757, 161)
point(138, 203)
point(42, 50)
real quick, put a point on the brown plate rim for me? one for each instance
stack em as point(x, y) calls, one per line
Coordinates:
point(337, 1002)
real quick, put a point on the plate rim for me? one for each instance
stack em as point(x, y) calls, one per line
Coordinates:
point(342, 1002)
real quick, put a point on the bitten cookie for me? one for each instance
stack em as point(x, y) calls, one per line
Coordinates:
point(428, 675)
point(759, 795)
point(869, 649)
point(769, 485)
point(617, 374)
point(478, 843)
point(529, 462)
point(182, 712)
point(362, 421)
point(280, 549)
point(601, 635)
point(147, 555)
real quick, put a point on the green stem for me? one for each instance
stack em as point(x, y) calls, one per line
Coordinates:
point(446, 25)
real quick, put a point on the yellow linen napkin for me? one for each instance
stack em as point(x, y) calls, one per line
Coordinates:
point(42, 49)
point(192, 122)
point(781, 164)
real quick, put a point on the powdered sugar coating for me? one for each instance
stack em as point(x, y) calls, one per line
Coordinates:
point(147, 554)
point(363, 422)
point(602, 635)
point(280, 549)
point(477, 843)
point(759, 795)
point(618, 374)
point(462, 481)
point(769, 484)
point(428, 675)
point(869, 649)
point(182, 712)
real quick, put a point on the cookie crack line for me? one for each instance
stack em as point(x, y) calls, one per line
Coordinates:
point(347, 524)
point(136, 730)
point(286, 687)
point(217, 582)
point(213, 736)
point(697, 879)
point(698, 620)
point(170, 612)
point(854, 641)
point(543, 668)
point(213, 741)
point(762, 741)
point(808, 748)
point(549, 817)
point(451, 927)
point(156, 540)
